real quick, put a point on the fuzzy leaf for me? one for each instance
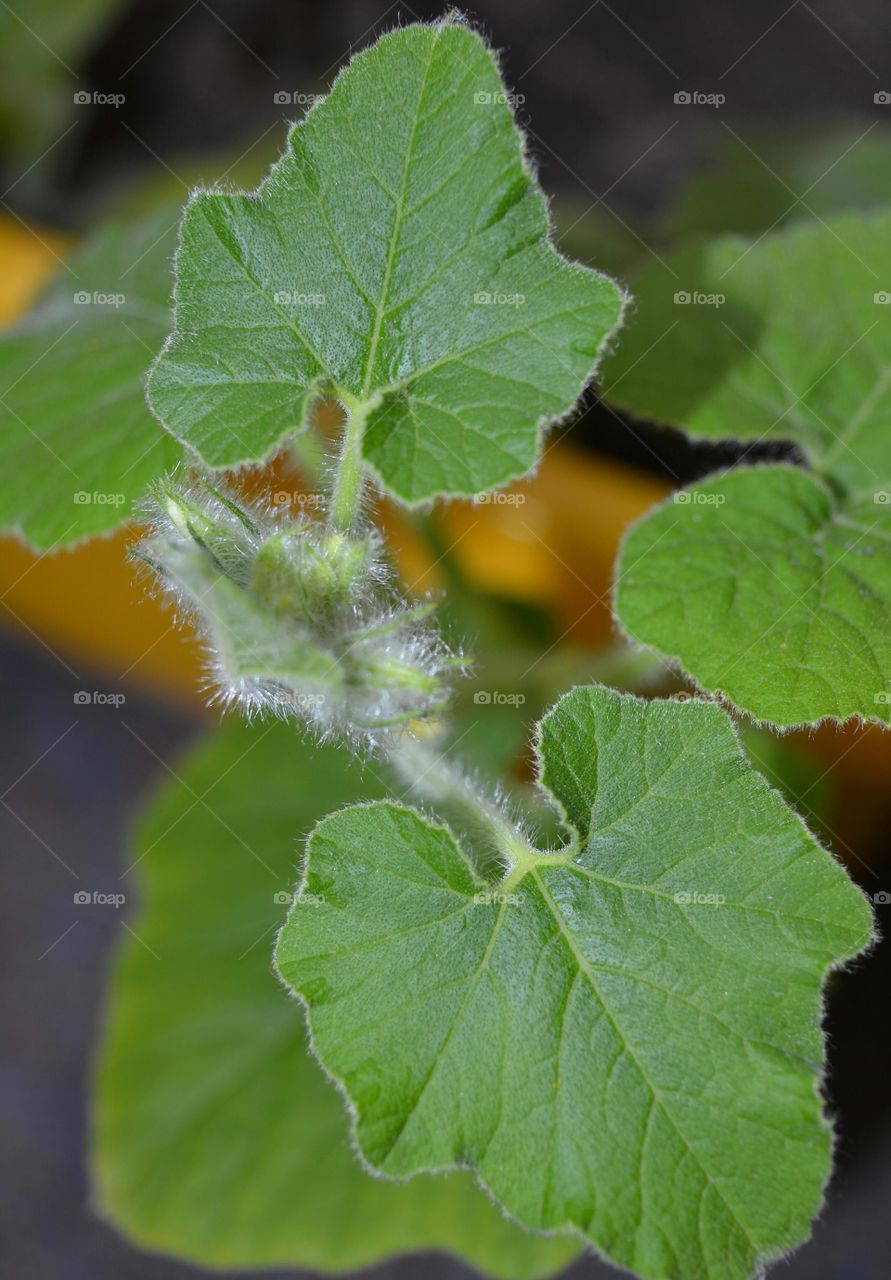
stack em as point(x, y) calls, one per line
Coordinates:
point(770, 591)
point(216, 1137)
point(398, 254)
point(624, 1039)
point(77, 443)
point(775, 590)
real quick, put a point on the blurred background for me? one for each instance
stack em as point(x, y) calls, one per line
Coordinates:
point(115, 109)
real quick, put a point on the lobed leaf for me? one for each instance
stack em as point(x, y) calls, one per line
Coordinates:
point(622, 1038)
point(772, 589)
point(398, 256)
point(770, 592)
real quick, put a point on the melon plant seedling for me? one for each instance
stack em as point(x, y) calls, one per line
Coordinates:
point(602, 1008)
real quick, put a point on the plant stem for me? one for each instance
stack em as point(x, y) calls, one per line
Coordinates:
point(346, 494)
point(431, 776)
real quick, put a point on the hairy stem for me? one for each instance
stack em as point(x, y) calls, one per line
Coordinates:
point(349, 478)
point(498, 841)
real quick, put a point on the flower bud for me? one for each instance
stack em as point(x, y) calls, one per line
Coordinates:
point(299, 620)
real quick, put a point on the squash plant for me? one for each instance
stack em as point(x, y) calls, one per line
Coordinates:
point(602, 1005)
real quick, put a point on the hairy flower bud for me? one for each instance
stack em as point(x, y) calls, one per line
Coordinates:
point(299, 620)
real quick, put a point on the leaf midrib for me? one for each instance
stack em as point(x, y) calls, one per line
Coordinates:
point(584, 967)
point(396, 229)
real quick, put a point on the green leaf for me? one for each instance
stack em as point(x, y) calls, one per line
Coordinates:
point(621, 1037)
point(77, 444)
point(797, 350)
point(397, 256)
point(773, 588)
point(216, 1136)
point(769, 592)
point(754, 182)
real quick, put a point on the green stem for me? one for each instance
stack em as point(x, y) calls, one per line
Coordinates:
point(349, 478)
point(432, 777)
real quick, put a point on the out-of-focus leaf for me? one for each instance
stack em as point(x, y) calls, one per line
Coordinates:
point(77, 444)
point(216, 1136)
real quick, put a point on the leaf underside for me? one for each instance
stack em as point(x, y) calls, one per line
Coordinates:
point(605, 1054)
point(216, 1137)
point(398, 254)
point(772, 588)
